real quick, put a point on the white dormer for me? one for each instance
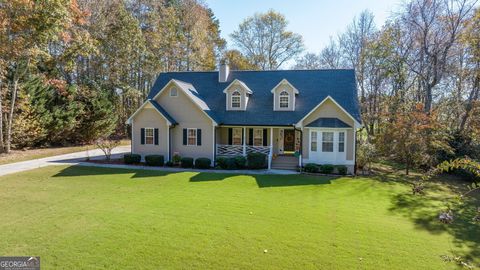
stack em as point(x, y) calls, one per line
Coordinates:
point(237, 95)
point(284, 96)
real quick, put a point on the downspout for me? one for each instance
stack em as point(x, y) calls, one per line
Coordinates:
point(356, 149)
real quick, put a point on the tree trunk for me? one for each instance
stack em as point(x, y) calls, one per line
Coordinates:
point(10, 117)
point(407, 168)
point(474, 95)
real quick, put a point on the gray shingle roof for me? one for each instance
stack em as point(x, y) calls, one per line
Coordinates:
point(313, 86)
point(329, 123)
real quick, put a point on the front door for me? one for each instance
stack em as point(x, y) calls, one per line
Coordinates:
point(289, 140)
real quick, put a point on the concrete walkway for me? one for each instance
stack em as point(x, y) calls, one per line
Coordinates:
point(78, 158)
point(66, 159)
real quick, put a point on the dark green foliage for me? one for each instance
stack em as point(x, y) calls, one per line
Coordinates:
point(342, 170)
point(203, 163)
point(176, 159)
point(169, 164)
point(240, 162)
point(257, 160)
point(186, 162)
point(131, 158)
point(222, 162)
point(231, 164)
point(327, 168)
point(154, 160)
point(311, 168)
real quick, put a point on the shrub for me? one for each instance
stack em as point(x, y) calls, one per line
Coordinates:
point(222, 162)
point(231, 164)
point(186, 162)
point(311, 168)
point(131, 158)
point(240, 162)
point(256, 160)
point(176, 159)
point(169, 164)
point(342, 170)
point(327, 168)
point(154, 160)
point(203, 163)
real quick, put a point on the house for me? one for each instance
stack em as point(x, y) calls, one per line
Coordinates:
point(293, 116)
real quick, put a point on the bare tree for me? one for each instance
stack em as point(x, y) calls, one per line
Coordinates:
point(265, 41)
point(433, 27)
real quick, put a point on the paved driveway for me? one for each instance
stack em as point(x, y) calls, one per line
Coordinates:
point(66, 159)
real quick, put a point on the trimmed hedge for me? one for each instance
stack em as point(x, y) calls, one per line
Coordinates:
point(131, 158)
point(327, 168)
point(311, 168)
point(169, 164)
point(342, 170)
point(202, 163)
point(154, 160)
point(257, 160)
point(186, 162)
point(222, 162)
point(240, 162)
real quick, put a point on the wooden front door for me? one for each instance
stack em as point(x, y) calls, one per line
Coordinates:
point(289, 140)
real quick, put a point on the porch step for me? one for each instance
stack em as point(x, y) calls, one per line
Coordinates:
point(285, 163)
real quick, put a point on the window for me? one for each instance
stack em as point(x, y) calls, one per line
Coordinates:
point(237, 136)
point(327, 141)
point(148, 135)
point(258, 137)
point(192, 136)
point(341, 142)
point(284, 99)
point(313, 141)
point(236, 99)
point(173, 92)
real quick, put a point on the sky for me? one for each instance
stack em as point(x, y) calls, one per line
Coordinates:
point(315, 20)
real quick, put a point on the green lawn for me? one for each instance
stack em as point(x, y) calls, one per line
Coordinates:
point(85, 217)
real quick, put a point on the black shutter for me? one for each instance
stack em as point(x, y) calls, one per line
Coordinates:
point(250, 136)
point(230, 134)
point(265, 137)
point(142, 136)
point(184, 136)
point(155, 134)
point(199, 136)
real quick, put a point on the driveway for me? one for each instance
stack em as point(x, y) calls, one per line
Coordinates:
point(67, 159)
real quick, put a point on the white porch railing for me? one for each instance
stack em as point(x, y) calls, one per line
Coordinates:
point(237, 150)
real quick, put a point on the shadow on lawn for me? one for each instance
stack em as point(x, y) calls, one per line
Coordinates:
point(268, 180)
point(263, 180)
point(424, 211)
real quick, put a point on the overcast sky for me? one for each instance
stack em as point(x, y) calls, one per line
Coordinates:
point(315, 20)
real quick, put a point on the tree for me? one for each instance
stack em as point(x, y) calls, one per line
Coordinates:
point(265, 41)
point(237, 61)
point(413, 138)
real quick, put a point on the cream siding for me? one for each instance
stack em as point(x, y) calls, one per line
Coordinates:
point(243, 97)
point(187, 115)
point(149, 117)
point(276, 97)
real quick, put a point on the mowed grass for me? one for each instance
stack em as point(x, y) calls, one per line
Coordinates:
point(97, 218)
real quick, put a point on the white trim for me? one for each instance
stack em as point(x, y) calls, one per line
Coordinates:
point(178, 85)
point(319, 104)
point(239, 102)
point(334, 157)
point(280, 100)
point(176, 92)
point(213, 145)
point(242, 84)
point(168, 142)
point(196, 137)
point(132, 143)
point(130, 120)
point(284, 81)
point(153, 136)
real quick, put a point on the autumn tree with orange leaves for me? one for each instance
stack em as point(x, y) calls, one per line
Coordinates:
point(413, 138)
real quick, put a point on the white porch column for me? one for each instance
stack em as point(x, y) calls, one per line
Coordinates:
point(270, 155)
point(244, 141)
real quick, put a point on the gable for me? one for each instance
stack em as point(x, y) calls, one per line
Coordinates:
point(327, 109)
point(313, 85)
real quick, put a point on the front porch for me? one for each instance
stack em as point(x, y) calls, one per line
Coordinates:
point(271, 141)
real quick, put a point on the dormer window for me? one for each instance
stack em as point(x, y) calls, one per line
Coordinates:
point(284, 99)
point(236, 99)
